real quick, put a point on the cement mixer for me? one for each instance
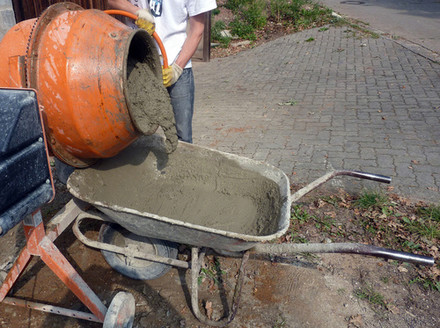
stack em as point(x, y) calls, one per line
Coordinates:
point(91, 73)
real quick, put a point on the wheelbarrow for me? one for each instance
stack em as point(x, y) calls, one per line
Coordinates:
point(150, 201)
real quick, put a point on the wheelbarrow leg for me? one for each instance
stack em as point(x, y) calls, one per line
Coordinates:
point(196, 264)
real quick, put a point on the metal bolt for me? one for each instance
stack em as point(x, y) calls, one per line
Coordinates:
point(47, 181)
point(40, 139)
point(113, 35)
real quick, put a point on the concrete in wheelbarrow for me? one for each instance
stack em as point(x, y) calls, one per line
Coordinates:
point(340, 101)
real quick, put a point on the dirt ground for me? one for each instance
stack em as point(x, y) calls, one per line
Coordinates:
point(313, 291)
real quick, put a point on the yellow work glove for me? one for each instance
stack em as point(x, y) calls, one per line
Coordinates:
point(145, 20)
point(171, 74)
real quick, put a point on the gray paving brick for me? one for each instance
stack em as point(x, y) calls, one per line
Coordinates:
point(375, 107)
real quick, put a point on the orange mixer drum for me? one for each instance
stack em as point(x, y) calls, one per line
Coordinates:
point(77, 59)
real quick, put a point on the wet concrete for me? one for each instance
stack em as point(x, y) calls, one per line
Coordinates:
point(193, 185)
point(150, 105)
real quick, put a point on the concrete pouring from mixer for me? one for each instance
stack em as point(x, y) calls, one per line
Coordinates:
point(150, 104)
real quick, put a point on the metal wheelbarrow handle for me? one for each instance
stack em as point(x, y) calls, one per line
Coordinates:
point(318, 182)
point(347, 248)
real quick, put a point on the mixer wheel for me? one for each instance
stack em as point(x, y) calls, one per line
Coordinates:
point(120, 313)
point(132, 267)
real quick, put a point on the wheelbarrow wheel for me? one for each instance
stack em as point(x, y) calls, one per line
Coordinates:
point(132, 267)
point(120, 313)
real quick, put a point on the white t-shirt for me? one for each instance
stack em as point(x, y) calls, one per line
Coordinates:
point(171, 17)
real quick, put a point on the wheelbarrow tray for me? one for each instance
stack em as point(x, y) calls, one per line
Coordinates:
point(196, 195)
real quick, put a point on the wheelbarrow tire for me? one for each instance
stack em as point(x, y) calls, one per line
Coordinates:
point(136, 268)
point(120, 313)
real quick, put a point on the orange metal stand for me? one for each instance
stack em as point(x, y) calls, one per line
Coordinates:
point(40, 244)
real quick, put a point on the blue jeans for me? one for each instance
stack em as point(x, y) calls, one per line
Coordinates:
point(182, 100)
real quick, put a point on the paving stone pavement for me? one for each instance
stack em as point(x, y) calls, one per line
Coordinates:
point(335, 102)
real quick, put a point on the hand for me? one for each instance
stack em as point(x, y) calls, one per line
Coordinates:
point(145, 20)
point(171, 74)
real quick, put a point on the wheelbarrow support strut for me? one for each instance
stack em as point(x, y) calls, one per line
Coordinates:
point(196, 264)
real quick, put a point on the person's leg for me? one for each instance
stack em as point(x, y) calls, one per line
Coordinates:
point(182, 100)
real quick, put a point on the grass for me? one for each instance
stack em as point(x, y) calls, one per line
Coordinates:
point(216, 34)
point(253, 15)
point(332, 200)
point(385, 280)
point(242, 30)
point(366, 292)
point(424, 227)
point(298, 213)
point(382, 215)
point(431, 212)
point(300, 218)
point(212, 272)
point(280, 323)
point(427, 283)
point(373, 218)
point(415, 230)
point(370, 199)
point(425, 224)
point(355, 24)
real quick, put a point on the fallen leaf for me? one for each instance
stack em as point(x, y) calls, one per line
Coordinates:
point(436, 272)
point(393, 309)
point(357, 321)
point(208, 308)
point(331, 214)
point(288, 103)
